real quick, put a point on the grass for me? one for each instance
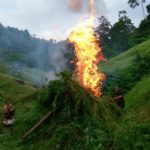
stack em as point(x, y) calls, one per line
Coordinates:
point(3, 67)
point(133, 131)
point(134, 127)
point(140, 94)
point(76, 124)
point(15, 90)
point(12, 89)
point(99, 127)
point(125, 60)
point(127, 69)
point(11, 139)
point(80, 122)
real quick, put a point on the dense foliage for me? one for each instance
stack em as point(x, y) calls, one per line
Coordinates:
point(78, 120)
point(22, 52)
point(90, 120)
point(122, 35)
point(128, 68)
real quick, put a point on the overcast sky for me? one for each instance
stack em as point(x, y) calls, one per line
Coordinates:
point(54, 18)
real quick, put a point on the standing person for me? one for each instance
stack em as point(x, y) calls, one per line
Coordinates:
point(9, 113)
point(119, 98)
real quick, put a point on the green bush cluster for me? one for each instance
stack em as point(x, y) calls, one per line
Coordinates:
point(79, 121)
point(131, 71)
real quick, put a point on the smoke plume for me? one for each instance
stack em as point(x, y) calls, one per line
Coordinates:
point(75, 5)
point(84, 6)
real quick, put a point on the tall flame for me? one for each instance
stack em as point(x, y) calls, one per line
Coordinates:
point(87, 54)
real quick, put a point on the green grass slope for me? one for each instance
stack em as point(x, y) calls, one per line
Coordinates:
point(3, 68)
point(139, 95)
point(134, 127)
point(131, 73)
point(125, 60)
point(128, 68)
point(12, 88)
point(78, 121)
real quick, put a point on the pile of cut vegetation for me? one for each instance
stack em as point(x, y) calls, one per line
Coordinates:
point(77, 120)
point(63, 115)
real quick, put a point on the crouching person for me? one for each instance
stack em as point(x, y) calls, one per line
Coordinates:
point(9, 113)
point(119, 98)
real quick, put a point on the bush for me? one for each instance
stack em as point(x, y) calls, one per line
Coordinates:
point(128, 77)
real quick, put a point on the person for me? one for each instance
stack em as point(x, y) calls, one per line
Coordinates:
point(119, 98)
point(9, 113)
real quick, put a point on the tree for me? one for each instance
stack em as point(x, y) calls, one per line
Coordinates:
point(135, 3)
point(148, 9)
point(122, 13)
point(143, 31)
point(103, 34)
point(121, 33)
point(69, 56)
point(103, 30)
point(117, 38)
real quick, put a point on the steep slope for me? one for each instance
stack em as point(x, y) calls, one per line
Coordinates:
point(78, 120)
point(131, 71)
point(134, 128)
point(128, 68)
point(12, 89)
point(139, 96)
point(125, 60)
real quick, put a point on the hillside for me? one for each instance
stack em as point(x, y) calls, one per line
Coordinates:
point(134, 127)
point(139, 96)
point(78, 120)
point(75, 112)
point(131, 71)
point(12, 89)
point(125, 60)
point(75, 75)
point(22, 52)
point(93, 124)
point(127, 68)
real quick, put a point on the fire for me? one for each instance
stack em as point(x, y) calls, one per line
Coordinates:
point(87, 54)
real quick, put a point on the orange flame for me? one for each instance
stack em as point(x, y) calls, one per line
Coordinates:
point(88, 54)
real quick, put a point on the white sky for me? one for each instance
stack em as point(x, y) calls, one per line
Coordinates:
point(52, 18)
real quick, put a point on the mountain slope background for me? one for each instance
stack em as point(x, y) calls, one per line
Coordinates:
point(30, 58)
point(76, 124)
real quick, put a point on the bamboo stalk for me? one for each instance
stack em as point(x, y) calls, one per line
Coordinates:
point(38, 124)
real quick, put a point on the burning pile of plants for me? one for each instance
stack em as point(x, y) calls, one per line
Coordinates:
point(78, 119)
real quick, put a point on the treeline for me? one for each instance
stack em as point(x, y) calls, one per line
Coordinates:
point(20, 49)
point(117, 38)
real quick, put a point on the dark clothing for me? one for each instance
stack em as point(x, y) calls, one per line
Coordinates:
point(119, 99)
point(120, 102)
point(9, 114)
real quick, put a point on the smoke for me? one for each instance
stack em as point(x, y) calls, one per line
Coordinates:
point(31, 58)
point(57, 57)
point(56, 62)
point(75, 5)
point(92, 7)
point(49, 58)
point(86, 6)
